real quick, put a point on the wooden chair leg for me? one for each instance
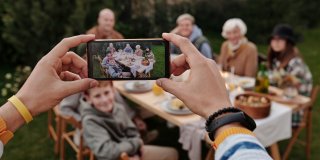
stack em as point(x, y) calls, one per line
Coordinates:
point(58, 132)
point(49, 122)
point(274, 149)
point(308, 135)
point(81, 147)
point(210, 154)
point(291, 143)
point(91, 156)
point(62, 147)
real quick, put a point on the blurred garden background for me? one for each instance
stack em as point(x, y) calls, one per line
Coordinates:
point(29, 29)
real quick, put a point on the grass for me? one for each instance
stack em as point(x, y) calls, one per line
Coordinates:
point(33, 142)
point(159, 66)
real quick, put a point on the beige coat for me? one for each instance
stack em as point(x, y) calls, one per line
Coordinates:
point(244, 59)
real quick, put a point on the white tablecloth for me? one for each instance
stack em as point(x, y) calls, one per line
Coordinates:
point(276, 127)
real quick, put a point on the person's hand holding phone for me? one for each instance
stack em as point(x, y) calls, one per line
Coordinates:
point(57, 75)
point(204, 91)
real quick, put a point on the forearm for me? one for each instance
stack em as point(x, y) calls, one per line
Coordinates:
point(234, 141)
point(11, 116)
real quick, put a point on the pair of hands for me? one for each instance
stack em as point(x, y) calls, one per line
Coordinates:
point(141, 125)
point(61, 73)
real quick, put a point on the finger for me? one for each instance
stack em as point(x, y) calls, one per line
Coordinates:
point(72, 87)
point(68, 76)
point(63, 47)
point(179, 65)
point(75, 64)
point(170, 86)
point(185, 46)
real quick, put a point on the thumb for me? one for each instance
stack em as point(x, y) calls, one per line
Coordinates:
point(169, 85)
point(72, 87)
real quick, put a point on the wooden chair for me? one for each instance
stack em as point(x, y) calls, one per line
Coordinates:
point(66, 136)
point(210, 154)
point(306, 123)
point(80, 149)
point(54, 127)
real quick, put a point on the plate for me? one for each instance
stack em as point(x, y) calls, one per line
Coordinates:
point(130, 87)
point(166, 105)
point(246, 82)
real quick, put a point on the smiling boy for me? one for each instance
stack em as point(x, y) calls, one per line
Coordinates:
point(108, 131)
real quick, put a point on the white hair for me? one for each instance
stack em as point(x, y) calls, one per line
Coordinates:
point(185, 16)
point(232, 23)
point(106, 11)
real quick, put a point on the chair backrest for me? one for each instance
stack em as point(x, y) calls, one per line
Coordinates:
point(72, 121)
point(308, 107)
point(313, 98)
point(314, 94)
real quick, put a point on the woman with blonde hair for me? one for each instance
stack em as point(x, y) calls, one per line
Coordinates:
point(237, 51)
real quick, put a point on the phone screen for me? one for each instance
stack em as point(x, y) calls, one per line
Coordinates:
point(128, 59)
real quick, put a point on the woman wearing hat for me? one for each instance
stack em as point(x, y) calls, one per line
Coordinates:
point(284, 56)
point(237, 52)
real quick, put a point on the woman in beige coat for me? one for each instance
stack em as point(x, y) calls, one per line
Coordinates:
point(237, 52)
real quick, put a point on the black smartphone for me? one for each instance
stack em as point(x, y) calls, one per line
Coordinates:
point(128, 59)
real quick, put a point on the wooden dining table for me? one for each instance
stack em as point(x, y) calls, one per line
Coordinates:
point(152, 103)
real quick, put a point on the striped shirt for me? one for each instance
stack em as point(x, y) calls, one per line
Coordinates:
point(241, 147)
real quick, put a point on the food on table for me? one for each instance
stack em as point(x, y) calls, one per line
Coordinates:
point(140, 85)
point(255, 105)
point(177, 104)
point(252, 101)
point(157, 90)
point(145, 62)
point(244, 82)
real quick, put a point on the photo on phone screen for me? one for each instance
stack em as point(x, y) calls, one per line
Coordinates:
point(128, 59)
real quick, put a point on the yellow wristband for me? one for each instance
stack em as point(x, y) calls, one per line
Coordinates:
point(22, 109)
point(228, 132)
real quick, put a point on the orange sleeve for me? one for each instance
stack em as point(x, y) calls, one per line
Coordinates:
point(5, 135)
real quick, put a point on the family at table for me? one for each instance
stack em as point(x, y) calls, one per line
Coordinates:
point(128, 62)
point(239, 57)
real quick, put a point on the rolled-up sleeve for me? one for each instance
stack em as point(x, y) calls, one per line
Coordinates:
point(241, 147)
point(1, 149)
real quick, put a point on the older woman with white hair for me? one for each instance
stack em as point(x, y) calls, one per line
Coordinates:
point(237, 52)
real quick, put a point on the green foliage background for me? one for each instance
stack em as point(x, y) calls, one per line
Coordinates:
point(30, 28)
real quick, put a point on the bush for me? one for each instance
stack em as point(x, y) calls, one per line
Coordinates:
point(30, 28)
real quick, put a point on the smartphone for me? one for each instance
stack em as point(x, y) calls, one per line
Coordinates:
point(128, 59)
